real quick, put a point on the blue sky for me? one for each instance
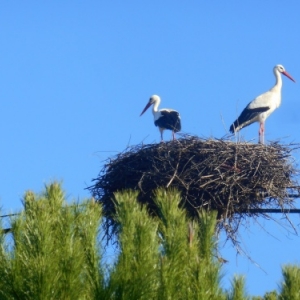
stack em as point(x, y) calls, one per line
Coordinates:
point(75, 75)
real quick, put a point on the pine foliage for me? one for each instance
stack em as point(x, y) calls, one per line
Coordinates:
point(238, 289)
point(135, 274)
point(290, 287)
point(161, 258)
point(54, 251)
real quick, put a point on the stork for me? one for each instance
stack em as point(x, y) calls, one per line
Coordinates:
point(261, 107)
point(164, 118)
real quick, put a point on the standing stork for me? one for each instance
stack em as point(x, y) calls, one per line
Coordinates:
point(164, 118)
point(261, 107)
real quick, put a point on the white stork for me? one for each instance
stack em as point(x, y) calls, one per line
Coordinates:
point(164, 118)
point(261, 107)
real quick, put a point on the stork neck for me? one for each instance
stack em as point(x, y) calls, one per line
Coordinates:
point(155, 106)
point(278, 83)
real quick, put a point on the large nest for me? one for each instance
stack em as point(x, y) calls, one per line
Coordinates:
point(236, 179)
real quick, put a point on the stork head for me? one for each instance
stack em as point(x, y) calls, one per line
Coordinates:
point(281, 69)
point(153, 99)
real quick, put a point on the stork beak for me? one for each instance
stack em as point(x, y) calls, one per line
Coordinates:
point(146, 107)
point(288, 75)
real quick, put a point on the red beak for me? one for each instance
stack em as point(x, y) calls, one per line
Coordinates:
point(288, 75)
point(146, 107)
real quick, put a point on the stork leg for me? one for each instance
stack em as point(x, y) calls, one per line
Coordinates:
point(161, 135)
point(261, 133)
point(173, 134)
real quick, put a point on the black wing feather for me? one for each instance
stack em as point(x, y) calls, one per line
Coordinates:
point(247, 117)
point(169, 120)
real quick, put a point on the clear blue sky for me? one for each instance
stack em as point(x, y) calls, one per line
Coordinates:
point(75, 75)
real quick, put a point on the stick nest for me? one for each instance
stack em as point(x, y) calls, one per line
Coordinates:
point(236, 179)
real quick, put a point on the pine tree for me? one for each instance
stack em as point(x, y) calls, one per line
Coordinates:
point(53, 252)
